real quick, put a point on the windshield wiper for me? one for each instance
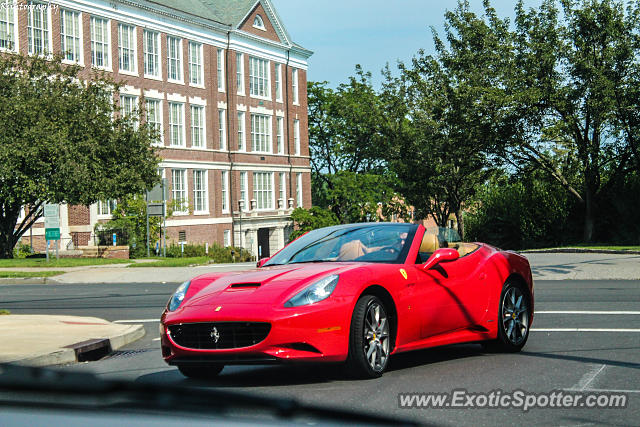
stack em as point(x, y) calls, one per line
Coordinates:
point(313, 261)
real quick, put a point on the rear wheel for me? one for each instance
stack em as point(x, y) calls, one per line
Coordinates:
point(513, 322)
point(369, 339)
point(200, 372)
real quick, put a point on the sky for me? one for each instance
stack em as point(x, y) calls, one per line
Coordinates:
point(370, 33)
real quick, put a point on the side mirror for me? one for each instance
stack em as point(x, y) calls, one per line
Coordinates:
point(262, 261)
point(441, 255)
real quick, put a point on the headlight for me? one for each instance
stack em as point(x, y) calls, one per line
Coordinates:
point(178, 296)
point(316, 292)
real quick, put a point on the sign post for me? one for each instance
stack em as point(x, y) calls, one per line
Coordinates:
point(52, 225)
point(156, 206)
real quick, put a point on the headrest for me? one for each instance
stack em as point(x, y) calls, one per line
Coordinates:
point(429, 243)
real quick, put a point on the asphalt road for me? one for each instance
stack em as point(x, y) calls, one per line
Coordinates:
point(578, 359)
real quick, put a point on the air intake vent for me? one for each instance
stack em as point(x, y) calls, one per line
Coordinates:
point(245, 285)
point(219, 335)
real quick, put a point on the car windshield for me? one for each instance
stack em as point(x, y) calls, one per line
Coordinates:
point(378, 242)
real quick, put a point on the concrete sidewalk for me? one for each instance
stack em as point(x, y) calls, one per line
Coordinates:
point(41, 340)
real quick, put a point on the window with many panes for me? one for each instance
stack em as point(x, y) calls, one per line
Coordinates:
point(241, 132)
point(128, 105)
point(278, 78)
point(259, 77)
point(179, 190)
point(240, 73)
point(222, 125)
point(174, 59)
point(244, 182)
point(99, 42)
point(7, 25)
point(38, 30)
point(299, 189)
point(176, 124)
point(195, 63)
point(106, 207)
point(200, 191)
point(225, 191)
point(294, 85)
point(261, 133)
point(283, 189)
point(263, 190)
point(280, 134)
point(127, 47)
point(151, 47)
point(70, 35)
point(197, 126)
point(296, 136)
point(154, 118)
point(220, 70)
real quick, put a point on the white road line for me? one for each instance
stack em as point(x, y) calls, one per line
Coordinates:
point(137, 321)
point(582, 330)
point(589, 312)
point(156, 339)
point(589, 377)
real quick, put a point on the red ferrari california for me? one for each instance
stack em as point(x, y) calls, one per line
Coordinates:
point(355, 293)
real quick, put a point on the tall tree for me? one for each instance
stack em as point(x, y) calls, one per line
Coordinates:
point(60, 143)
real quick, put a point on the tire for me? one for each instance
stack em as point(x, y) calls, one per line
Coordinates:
point(369, 339)
point(200, 372)
point(514, 314)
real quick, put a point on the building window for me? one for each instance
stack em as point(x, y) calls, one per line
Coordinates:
point(283, 189)
point(151, 53)
point(128, 105)
point(258, 23)
point(280, 134)
point(296, 136)
point(263, 190)
point(225, 191)
point(294, 85)
point(127, 47)
point(106, 207)
point(99, 42)
point(241, 132)
point(223, 129)
point(227, 238)
point(179, 190)
point(278, 78)
point(38, 30)
point(195, 63)
point(260, 133)
point(240, 73)
point(200, 204)
point(7, 25)
point(243, 190)
point(154, 118)
point(258, 77)
point(176, 124)
point(220, 70)
point(197, 126)
point(299, 189)
point(70, 35)
point(174, 59)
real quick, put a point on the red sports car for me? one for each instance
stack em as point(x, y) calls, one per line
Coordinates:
point(354, 293)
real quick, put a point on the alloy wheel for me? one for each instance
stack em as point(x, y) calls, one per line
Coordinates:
point(376, 337)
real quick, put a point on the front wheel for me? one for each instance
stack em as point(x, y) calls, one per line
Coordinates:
point(200, 372)
point(369, 339)
point(513, 322)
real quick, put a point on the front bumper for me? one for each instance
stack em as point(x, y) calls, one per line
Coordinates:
point(314, 333)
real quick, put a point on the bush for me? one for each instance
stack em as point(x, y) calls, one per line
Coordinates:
point(217, 253)
point(22, 250)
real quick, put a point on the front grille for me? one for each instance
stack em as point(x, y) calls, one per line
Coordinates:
point(228, 334)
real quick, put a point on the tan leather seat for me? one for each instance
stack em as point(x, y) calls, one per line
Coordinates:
point(429, 243)
point(351, 250)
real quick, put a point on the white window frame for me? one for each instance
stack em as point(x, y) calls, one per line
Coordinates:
point(280, 134)
point(201, 126)
point(224, 190)
point(240, 73)
point(156, 124)
point(261, 134)
point(177, 60)
point(195, 65)
point(202, 192)
point(178, 124)
point(256, 77)
point(296, 136)
point(105, 208)
point(131, 50)
point(44, 29)
point(261, 194)
point(258, 23)
point(294, 87)
point(128, 104)
point(220, 69)
point(154, 55)
point(181, 205)
point(299, 189)
point(283, 188)
point(244, 190)
point(278, 83)
point(77, 49)
point(242, 131)
point(226, 238)
point(222, 127)
point(9, 20)
point(104, 44)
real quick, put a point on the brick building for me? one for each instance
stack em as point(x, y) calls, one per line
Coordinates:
point(224, 83)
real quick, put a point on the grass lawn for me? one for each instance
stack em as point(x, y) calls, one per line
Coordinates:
point(174, 262)
point(14, 274)
point(4, 312)
point(62, 262)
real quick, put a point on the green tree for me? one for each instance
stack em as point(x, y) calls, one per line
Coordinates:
point(306, 220)
point(60, 143)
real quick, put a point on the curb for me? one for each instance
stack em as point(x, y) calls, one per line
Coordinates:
point(580, 251)
point(85, 350)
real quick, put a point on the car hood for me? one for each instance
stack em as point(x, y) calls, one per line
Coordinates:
point(265, 285)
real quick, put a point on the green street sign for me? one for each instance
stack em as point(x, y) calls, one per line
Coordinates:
point(52, 234)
